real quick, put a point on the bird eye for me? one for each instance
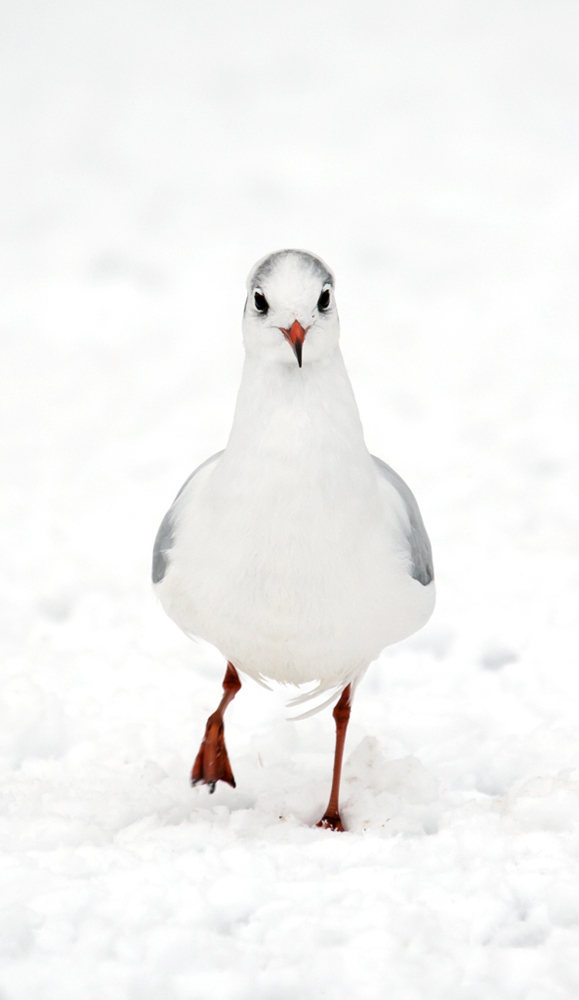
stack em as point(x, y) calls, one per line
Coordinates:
point(324, 300)
point(261, 303)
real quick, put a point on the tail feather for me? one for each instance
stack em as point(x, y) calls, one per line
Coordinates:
point(317, 708)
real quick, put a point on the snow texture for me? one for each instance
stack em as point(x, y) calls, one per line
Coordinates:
point(151, 152)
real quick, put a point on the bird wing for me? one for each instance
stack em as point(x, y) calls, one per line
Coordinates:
point(420, 550)
point(166, 533)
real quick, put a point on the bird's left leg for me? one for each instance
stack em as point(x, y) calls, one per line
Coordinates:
point(212, 763)
point(331, 818)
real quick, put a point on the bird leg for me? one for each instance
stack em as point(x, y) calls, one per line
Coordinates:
point(331, 818)
point(212, 763)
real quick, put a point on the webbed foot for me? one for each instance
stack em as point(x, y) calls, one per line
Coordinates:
point(331, 821)
point(212, 763)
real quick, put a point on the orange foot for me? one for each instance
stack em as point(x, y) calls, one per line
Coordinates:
point(212, 763)
point(331, 822)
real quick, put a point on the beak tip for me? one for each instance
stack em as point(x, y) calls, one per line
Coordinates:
point(295, 337)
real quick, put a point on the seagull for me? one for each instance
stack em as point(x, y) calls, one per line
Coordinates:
point(294, 551)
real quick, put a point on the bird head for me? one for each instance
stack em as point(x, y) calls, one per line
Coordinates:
point(290, 313)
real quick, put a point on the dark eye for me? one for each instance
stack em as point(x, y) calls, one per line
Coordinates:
point(261, 303)
point(324, 300)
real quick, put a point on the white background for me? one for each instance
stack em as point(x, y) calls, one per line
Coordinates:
point(150, 153)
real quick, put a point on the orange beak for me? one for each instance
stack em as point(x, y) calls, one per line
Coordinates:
point(295, 337)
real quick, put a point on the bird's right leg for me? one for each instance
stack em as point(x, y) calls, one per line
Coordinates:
point(331, 819)
point(212, 763)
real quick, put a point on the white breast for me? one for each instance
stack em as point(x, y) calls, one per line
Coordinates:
point(290, 554)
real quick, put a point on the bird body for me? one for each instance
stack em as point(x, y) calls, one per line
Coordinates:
point(290, 551)
point(294, 551)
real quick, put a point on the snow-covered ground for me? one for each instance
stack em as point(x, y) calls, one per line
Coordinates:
point(151, 152)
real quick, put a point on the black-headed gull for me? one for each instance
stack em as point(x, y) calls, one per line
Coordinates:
point(294, 551)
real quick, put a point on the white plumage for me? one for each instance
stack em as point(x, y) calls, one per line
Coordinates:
point(294, 551)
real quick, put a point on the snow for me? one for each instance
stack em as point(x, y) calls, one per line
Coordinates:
point(151, 153)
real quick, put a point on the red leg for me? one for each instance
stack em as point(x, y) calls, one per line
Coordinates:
point(331, 818)
point(212, 763)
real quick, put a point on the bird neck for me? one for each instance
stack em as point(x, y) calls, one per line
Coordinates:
point(288, 410)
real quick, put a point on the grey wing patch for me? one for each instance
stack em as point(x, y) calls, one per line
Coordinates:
point(420, 550)
point(163, 543)
point(166, 534)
